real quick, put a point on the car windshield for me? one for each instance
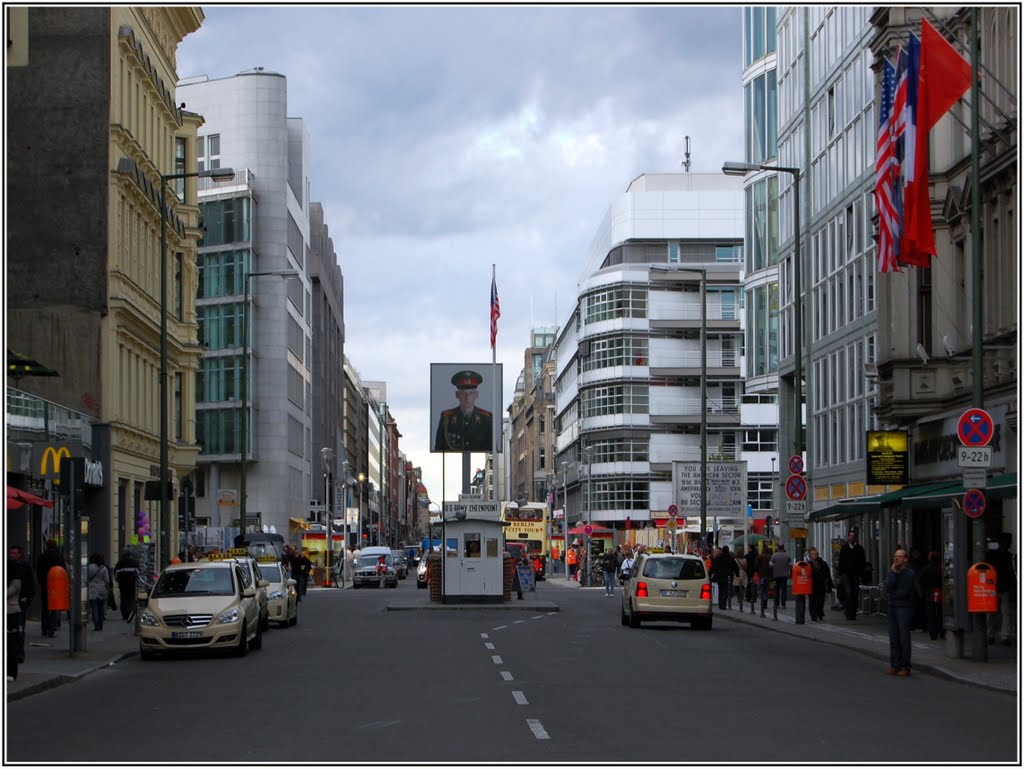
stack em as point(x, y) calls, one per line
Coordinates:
point(674, 568)
point(198, 581)
point(271, 572)
point(371, 560)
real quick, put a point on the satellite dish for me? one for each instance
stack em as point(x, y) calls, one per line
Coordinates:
point(266, 529)
point(273, 529)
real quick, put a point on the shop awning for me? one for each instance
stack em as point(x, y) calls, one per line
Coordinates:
point(999, 487)
point(847, 508)
point(19, 497)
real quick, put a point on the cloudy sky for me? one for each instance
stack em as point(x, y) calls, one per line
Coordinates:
point(448, 139)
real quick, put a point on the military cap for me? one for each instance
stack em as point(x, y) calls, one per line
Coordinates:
point(467, 380)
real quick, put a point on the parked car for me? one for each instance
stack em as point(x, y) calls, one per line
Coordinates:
point(200, 605)
point(252, 576)
point(667, 587)
point(282, 597)
point(401, 565)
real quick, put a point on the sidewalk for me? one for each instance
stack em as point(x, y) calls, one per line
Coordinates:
point(869, 634)
point(48, 663)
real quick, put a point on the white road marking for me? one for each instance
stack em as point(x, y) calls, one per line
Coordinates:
point(500, 627)
point(484, 635)
point(519, 622)
point(520, 698)
point(506, 675)
point(496, 659)
point(489, 645)
point(537, 616)
point(538, 729)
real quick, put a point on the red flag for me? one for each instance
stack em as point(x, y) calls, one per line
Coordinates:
point(943, 77)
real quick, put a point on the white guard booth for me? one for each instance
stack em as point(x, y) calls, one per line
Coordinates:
point(474, 565)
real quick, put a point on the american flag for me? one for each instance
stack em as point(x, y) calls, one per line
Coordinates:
point(885, 172)
point(495, 311)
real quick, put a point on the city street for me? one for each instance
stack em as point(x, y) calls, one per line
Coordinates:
point(354, 682)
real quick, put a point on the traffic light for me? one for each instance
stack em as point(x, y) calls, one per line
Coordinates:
point(768, 525)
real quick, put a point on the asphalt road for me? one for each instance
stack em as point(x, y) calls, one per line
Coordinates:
point(353, 682)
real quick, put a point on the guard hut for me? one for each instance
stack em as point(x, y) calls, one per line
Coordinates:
point(474, 560)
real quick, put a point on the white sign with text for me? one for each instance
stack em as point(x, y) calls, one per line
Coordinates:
point(726, 487)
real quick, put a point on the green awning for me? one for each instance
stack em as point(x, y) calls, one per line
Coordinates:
point(846, 508)
point(999, 487)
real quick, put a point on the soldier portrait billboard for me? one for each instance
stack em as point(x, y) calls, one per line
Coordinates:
point(463, 409)
point(887, 457)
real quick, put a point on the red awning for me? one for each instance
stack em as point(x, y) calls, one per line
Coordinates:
point(17, 497)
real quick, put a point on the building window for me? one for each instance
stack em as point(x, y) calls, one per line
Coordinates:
point(179, 167)
point(178, 260)
point(541, 458)
point(673, 253)
point(179, 428)
point(227, 221)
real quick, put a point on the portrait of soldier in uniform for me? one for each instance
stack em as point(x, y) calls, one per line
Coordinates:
point(465, 427)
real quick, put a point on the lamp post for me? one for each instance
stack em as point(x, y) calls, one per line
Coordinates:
point(217, 174)
point(327, 457)
point(588, 456)
point(244, 454)
point(551, 509)
point(361, 479)
point(742, 169)
point(565, 517)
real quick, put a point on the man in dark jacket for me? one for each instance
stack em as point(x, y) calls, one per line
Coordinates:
point(851, 571)
point(899, 586)
point(50, 620)
point(609, 565)
point(723, 569)
point(751, 559)
point(126, 572)
point(25, 596)
point(821, 583)
point(1002, 561)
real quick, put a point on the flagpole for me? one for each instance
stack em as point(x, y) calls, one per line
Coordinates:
point(494, 400)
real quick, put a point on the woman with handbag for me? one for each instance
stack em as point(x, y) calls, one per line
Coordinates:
point(98, 579)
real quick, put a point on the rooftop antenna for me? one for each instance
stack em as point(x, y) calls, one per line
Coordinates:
point(686, 160)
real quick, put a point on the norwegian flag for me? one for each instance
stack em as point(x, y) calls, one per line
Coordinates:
point(885, 173)
point(495, 311)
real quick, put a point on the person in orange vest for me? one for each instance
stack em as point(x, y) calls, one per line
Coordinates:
point(555, 555)
point(571, 557)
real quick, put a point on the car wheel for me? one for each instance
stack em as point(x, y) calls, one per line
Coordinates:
point(634, 620)
point(702, 623)
point(265, 621)
point(243, 642)
point(355, 585)
point(257, 642)
point(624, 618)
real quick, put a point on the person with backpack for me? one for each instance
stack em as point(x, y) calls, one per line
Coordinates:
point(98, 583)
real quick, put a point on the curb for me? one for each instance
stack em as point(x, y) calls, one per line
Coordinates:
point(923, 666)
point(60, 680)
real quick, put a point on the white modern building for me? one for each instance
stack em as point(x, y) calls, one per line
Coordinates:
point(627, 395)
point(259, 224)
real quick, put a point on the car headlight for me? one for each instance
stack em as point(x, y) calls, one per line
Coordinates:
point(276, 595)
point(231, 615)
point(148, 618)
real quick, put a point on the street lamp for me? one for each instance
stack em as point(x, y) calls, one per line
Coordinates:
point(218, 175)
point(588, 457)
point(361, 478)
point(565, 516)
point(245, 383)
point(731, 168)
point(327, 457)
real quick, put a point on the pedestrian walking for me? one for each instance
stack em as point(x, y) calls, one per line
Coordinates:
point(305, 567)
point(723, 569)
point(899, 586)
point(764, 575)
point(571, 557)
point(16, 554)
point(626, 568)
point(98, 583)
point(517, 584)
point(49, 620)
point(751, 560)
point(782, 567)
point(1006, 580)
point(821, 584)
point(929, 587)
point(851, 571)
point(14, 575)
point(126, 573)
point(609, 565)
point(742, 582)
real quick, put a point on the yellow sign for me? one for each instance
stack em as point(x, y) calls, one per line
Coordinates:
point(671, 523)
point(50, 463)
point(235, 552)
point(798, 533)
point(267, 559)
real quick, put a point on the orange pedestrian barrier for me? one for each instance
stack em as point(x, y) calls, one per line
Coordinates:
point(981, 589)
point(802, 578)
point(58, 589)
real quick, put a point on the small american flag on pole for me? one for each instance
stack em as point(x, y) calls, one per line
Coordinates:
point(885, 173)
point(495, 310)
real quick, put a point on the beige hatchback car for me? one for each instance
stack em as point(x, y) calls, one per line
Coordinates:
point(667, 587)
point(200, 605)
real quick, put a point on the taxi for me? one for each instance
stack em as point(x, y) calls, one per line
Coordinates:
point(282, 597)
point(253, 577)
point(667, 587)
point(200, 605)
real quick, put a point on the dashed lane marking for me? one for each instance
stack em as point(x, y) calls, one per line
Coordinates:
point(500, 627)
point(484, 635)
point(520, 698)
point(538, 729)
point(519, 622)
point(537, 616)
point(496, 659)
point(506, 675)
point(379, 724)
point(489, 645)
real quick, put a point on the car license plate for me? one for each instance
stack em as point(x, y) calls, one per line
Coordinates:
point(673, 593)
point(187, 634)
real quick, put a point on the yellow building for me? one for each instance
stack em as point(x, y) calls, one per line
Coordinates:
point(92, 126)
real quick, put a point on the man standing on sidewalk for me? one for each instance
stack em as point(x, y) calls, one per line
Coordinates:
point(782, 566)
point(851, 569)
point(1006, 579)
point(899, 586)
point(27, 593)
